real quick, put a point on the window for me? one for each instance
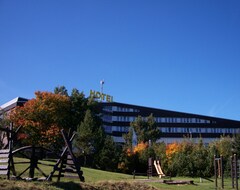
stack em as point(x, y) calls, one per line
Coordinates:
point(107, 108)
point(124, 109)
point(107, 118)
point(107, 129)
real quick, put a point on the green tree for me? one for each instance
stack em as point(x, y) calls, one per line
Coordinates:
point(160, 152)
point(201, 161)
point(78, 107)
point(126, 160)
point(128, 137)
point(236, 144)
point(146, 129)
point(224, 147)
point(90, 138)
point(109, 155)
point(61, 90)
point(181, 162)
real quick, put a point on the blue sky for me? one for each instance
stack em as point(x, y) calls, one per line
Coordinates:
point(181, 55)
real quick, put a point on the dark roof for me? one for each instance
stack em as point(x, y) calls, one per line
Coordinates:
point(169, 113)
point(18, 101)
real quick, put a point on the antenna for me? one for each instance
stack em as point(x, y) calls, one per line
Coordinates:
point(101, 85)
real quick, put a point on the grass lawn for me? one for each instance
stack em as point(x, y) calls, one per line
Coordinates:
point(97, 179)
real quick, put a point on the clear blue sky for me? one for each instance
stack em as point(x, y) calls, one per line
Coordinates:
point(181, 55)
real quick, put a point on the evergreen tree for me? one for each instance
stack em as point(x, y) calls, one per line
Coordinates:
point(127, 163)
point(146, 129)
point(153, 132)
point(109, 155)
point(89, 139)
point(61, 90)
point(128, 137)
point(78, 107)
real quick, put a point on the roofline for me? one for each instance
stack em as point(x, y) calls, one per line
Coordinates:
point(193, 114)
point(9, 103)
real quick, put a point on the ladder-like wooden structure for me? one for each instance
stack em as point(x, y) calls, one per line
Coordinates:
point(67, 165)
point(6, 157)
point(5, 163)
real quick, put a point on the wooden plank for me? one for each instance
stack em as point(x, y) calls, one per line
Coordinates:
point(71, 176)
point(4, 155)
point(4, 160)
point(70, 164)
point(3, 172)
point(70, 161)
point(4, 151)
point(3, 167)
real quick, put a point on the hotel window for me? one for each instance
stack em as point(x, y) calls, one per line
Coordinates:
point(107, 108)
point(124, 109)
point(107, 129)
point(178, 120)
point(193, 120)
point(107, 118)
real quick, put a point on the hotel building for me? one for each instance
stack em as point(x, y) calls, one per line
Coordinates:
point(174, 125)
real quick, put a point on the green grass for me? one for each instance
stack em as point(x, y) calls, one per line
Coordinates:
point(93, 176)
point(97, 179)
point(204, 185)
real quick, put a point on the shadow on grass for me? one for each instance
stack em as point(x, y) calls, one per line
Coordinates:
point(105, 185)
point(73, 186)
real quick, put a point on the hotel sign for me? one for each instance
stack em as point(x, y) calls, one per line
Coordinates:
point(101, 96)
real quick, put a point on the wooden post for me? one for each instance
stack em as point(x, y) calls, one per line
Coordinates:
point(221, 166)
point(215, 171)
point(11, 135)
point(32, 163)
point(235, 167)
point(232, 170)
point(149, 167)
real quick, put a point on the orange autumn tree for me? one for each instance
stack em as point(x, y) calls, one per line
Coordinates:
point(140, 147)
point(42, 118)
point(171, 149)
